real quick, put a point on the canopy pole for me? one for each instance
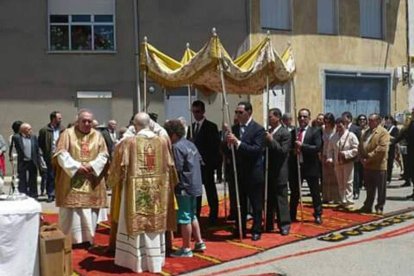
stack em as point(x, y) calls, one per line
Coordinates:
point(145, 91)
point(267, 154)
point(223, 163)
point(233, 154)
point(144, 109)
point(189, 111)
point(297, 156)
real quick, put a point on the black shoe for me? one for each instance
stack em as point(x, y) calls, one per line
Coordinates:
point(406, 184)
point(318, 220)
point(364, 210)
point(256, 236)
point(50, 199)
point(212, 221)
point(284, 231)
point(356, 196)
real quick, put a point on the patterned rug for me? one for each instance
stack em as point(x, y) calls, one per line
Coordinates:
point(221, 246)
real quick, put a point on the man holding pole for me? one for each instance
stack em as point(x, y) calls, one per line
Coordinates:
point(278, 144)
point(307, 145)
point(247, 137)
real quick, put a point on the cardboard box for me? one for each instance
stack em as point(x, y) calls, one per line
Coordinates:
point(67, 265)
point(52, 250)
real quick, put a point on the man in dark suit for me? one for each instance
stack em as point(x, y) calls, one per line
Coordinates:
point(205, 136)
point(391, 126)
point(308, 143)
point(407, 133)
point(248, 141)
point(29, 160)
point(347, 116)
point(278, 143)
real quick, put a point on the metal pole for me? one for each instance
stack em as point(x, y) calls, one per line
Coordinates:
point(145, 90)
point(297, 156)
point(233, 154)
point(267, 154)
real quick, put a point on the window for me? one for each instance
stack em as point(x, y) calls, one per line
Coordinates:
point(82, 32)
point(79, 25)
point(275, 14)
point(371, 18)
point(327, 17)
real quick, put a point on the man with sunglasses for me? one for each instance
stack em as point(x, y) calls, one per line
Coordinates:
point(247, 138)
point(307, 145)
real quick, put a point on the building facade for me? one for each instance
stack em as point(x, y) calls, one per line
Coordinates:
point(70, 54)
point(349, 54)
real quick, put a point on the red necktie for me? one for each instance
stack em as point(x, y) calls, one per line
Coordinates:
point(300, 135)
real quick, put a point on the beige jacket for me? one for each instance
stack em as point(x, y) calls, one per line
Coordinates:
point(375, 148)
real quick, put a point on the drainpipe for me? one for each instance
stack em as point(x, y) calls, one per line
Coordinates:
point(137, 106)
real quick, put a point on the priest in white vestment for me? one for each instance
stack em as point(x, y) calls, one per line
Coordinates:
point(80, 161)
point(143, 176)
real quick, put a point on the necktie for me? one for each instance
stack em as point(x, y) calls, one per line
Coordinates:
point(242, 130)
point(196, 129)
point(300, 135)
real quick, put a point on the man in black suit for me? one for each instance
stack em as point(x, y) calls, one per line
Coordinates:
point(308, 143)
point(347, 116)
point(205, 136)
point(248, 141)
point(278, 143)
point(29, 160)
point(391, 126)
point(408, 134)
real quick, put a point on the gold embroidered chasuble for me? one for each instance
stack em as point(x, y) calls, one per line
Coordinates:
point(79, 191)
point(144, 167)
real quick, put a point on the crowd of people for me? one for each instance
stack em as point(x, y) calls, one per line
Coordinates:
point(156, 173)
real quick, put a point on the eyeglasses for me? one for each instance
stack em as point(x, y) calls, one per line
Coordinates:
point(362, 119)
point(303, 116)
point(238, 112)
point(197, 111)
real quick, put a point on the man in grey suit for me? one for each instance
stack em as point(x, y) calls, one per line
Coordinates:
point(29, 160)
point(278, 142)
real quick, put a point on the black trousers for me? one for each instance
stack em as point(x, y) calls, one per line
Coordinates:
point(390, 162)
point(50, 180)
point(313, 183)
point(207, 174)
point(252, 192)
point(27, 172)
point(357, 179)
point(277, 203)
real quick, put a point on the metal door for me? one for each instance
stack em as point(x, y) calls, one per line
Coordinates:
point(359, 94)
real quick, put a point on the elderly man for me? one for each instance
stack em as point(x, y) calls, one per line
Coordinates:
point(29, 160)
point(80, 161)
point(373, 150)
point(144, 177)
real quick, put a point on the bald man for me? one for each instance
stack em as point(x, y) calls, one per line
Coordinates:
point(29, 160)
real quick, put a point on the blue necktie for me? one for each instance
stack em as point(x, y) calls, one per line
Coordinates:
point(242, 130)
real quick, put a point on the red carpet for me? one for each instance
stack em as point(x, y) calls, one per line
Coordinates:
point(220, 245)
